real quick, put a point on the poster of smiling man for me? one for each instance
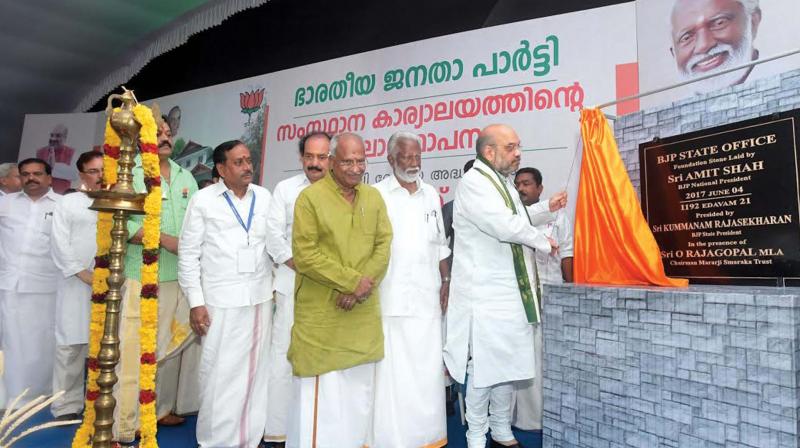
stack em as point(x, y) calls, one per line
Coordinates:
point(681, 40)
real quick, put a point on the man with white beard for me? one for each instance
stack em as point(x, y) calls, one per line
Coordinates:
point(73, 246)
point(709, 36)
point(315, 159)
point(409, 384)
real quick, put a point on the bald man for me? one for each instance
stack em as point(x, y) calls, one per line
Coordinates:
point(341, 239)
point(494, 286)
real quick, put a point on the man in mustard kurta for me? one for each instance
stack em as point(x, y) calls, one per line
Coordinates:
point(340, 242)
point(177, 349)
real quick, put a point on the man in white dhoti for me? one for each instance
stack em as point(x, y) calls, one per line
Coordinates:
point(554, 269)
point(177, 348)
point(28, 279)
point(341, 239)
point(409, 381)
point(9, 179)
point(9, 183)
point(493, 295)
point(226, 275)
point(314, 149)
point(73, 246)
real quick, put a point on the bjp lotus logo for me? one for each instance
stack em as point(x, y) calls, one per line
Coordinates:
point(251, 101)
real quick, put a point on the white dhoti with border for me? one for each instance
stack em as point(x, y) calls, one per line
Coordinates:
point(29, 343)
point(409, 385)
point(333, 410)
point(528, 393)
point(280, 370)
point(233, 377)
point(177, 352)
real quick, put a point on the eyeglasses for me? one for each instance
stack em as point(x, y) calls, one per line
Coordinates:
point(509, 147)
point(312, 157)
point(351, 163)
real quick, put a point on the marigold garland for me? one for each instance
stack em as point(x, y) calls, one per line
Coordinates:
point(149, 296)
point(84, 434)
point(148, 302)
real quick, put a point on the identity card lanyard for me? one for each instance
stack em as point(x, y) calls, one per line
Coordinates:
point(239, 218)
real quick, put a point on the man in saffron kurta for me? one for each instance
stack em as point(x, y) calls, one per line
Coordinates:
point(340, 242)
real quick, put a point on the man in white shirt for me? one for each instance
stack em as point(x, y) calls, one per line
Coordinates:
point(73, 246)
point(493, 295)
point(226, 275)
point(9, 179)
point(409, 381)
point(554, 269)
point(314, 157)
point(28, 279)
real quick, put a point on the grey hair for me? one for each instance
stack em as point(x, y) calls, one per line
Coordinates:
point(484, 140)
point(61, 127)
point(335, 141)
point(6, 168)
point(395, 139)
point(749, 5)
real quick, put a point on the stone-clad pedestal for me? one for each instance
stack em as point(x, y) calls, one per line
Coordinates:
point(707, 366)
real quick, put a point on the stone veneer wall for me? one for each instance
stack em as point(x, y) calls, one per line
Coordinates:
point(699, 367)
point(762, 97)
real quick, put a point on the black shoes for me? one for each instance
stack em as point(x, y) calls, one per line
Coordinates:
point(67, 417)
point(493, 444)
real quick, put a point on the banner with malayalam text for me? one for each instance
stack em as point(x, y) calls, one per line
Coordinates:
point(534, 75)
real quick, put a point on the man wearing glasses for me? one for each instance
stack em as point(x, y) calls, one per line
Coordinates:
point(314, 159)
point(341, 239)
point(494, 292)
point(73, 246)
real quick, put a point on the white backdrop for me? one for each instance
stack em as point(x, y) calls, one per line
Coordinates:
point(571, 62)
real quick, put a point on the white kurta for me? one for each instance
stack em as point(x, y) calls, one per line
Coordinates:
point(409, 384)
point(280, 218)
point(73, 246)
point(228, 270)
point(485, 310)
point(28, 279)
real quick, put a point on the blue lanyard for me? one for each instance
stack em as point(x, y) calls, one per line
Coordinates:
point(239, 217)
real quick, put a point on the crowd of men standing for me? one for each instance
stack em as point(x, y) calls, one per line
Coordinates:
point(328, 313)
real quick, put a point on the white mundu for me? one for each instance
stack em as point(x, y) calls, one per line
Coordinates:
point(28, 279)
point(485, 318)
point(73, 245)
point(528, 394)
point(227, 269)
point(410, 381)
point(279, 226)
